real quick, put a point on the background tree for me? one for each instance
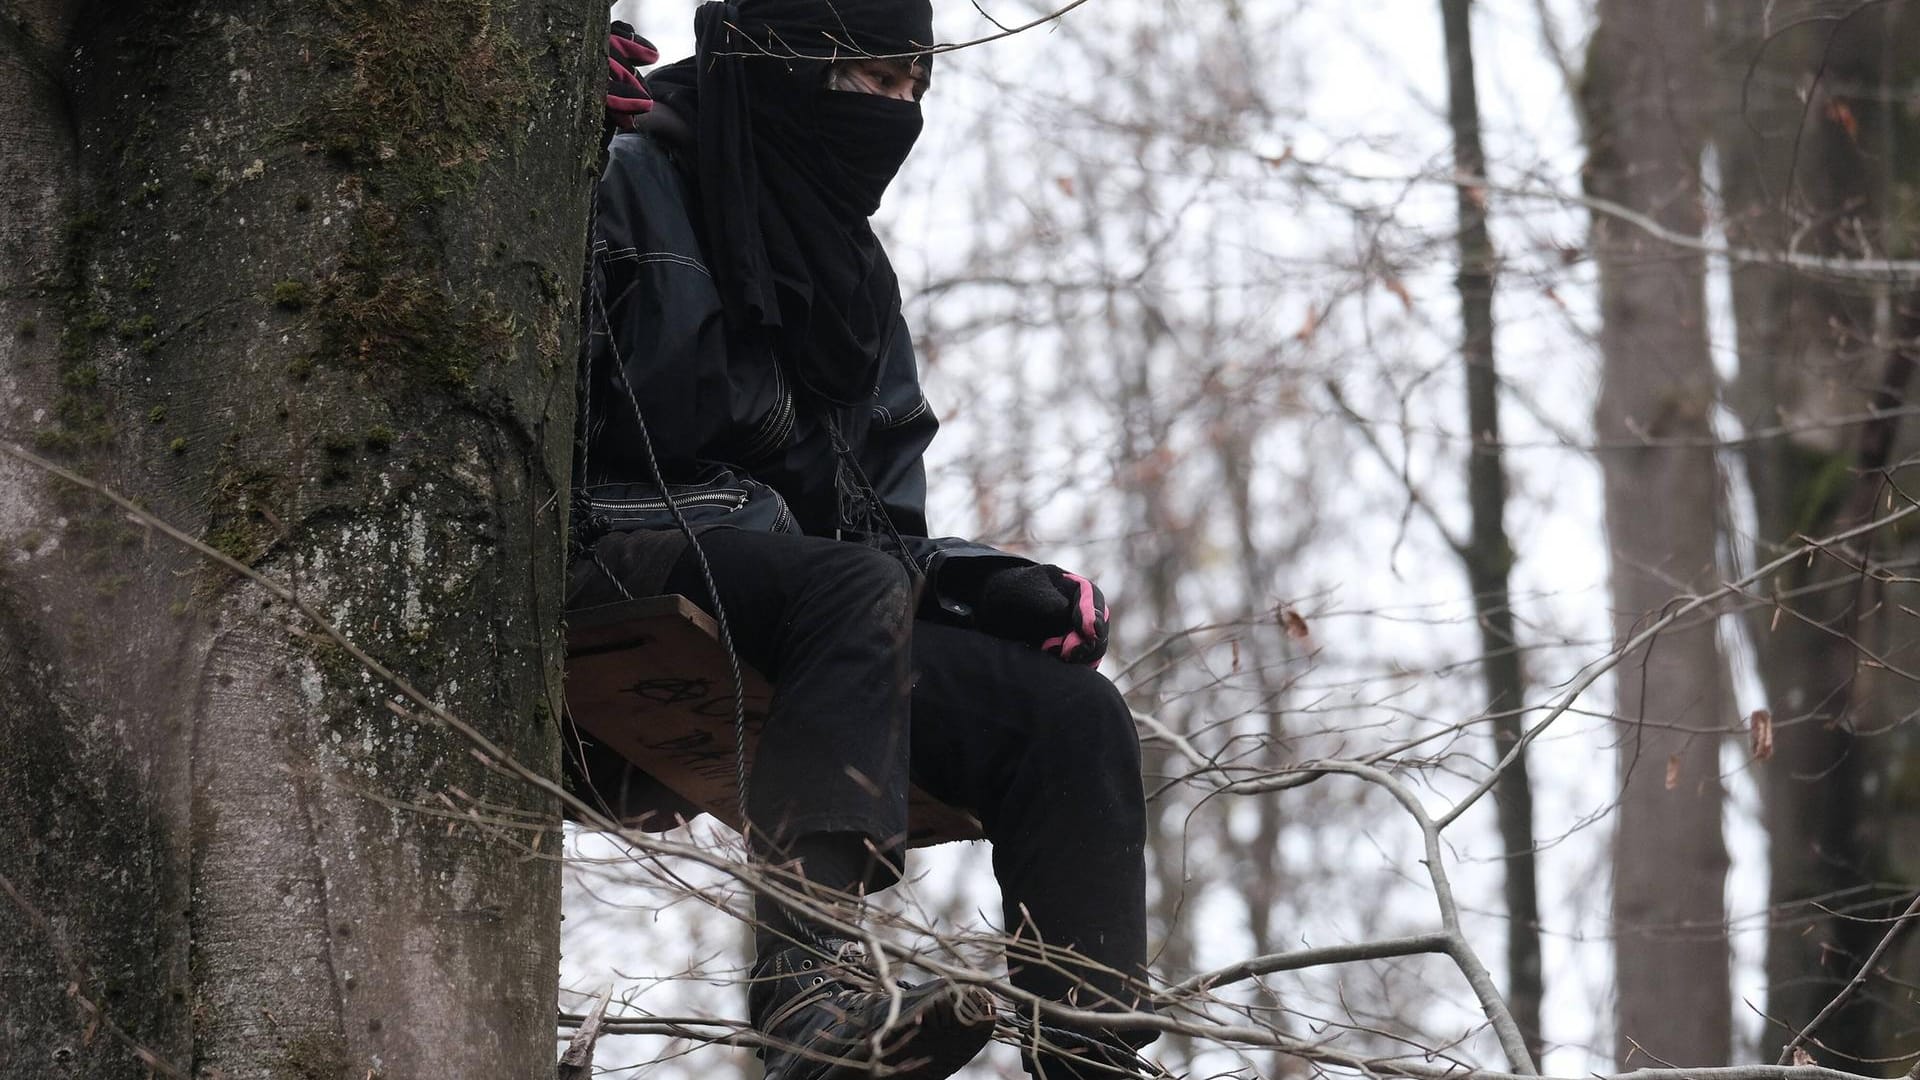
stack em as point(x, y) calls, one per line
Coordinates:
point(1819, 154)
point(1487, 553)
point(1816, 142)
point(1645, 101)
point(299, 279)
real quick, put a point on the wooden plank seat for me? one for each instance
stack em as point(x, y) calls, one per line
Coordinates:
point(648, 678)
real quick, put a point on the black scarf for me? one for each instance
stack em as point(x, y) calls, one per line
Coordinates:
point(789, 172)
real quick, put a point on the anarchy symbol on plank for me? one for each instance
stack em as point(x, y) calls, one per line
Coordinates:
point(667, 691)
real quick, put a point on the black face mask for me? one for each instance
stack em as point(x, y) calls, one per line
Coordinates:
point(870, 137)
point(789, 172)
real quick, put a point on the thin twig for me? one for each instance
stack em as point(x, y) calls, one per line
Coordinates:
point(1512, 1042)
point(1418, 500)
point(77, 989)
point(1593, 673)
point(1859, 979)
point(1200, 762)
point(737, 1035)
point(1306, 958)
point(1838, 267)
point(1879, 271)
point(846, 50)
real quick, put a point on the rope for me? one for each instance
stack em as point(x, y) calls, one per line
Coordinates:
point(599, 311)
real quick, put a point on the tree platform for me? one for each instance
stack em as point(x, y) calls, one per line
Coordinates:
point(649, 679)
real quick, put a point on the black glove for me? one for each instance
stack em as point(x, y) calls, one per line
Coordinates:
point(1048, 608)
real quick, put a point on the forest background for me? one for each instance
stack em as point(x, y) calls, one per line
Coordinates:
point(1187, 284)
point(1488, 419)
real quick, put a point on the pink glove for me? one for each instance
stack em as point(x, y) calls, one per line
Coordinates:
point(627, 96)
point(1086, 643)
point(1055, 611)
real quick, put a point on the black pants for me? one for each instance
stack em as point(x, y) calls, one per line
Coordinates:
point(865, 698)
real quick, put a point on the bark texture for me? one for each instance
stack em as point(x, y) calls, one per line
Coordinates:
point(1819, 147)
point(1488, 554)
point(1646, 120)
point(298, 277)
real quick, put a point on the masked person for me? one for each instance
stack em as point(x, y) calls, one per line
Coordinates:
point(747, 353)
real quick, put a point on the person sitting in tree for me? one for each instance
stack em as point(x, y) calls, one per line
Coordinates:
point(747, 353)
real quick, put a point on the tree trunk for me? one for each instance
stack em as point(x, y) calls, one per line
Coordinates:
point(298, 278)
point(1817, 142)
point(1646, 131)
point(1488, 556)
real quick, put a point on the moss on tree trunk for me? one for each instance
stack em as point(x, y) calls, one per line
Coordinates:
point(294, 276)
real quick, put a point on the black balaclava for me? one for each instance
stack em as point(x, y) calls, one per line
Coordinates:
point(789, 173)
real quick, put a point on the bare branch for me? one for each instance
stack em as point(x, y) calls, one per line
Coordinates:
point(1593, 673)
point(1860, 977)
point(577, 1062)
point(1426, 508)
point(1306, 958)
point(1491, 1003)
point(845, 50)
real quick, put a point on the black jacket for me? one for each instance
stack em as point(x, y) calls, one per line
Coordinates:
point(738, 442)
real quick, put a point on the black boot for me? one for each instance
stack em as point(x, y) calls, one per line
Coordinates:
point(826, 1017)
